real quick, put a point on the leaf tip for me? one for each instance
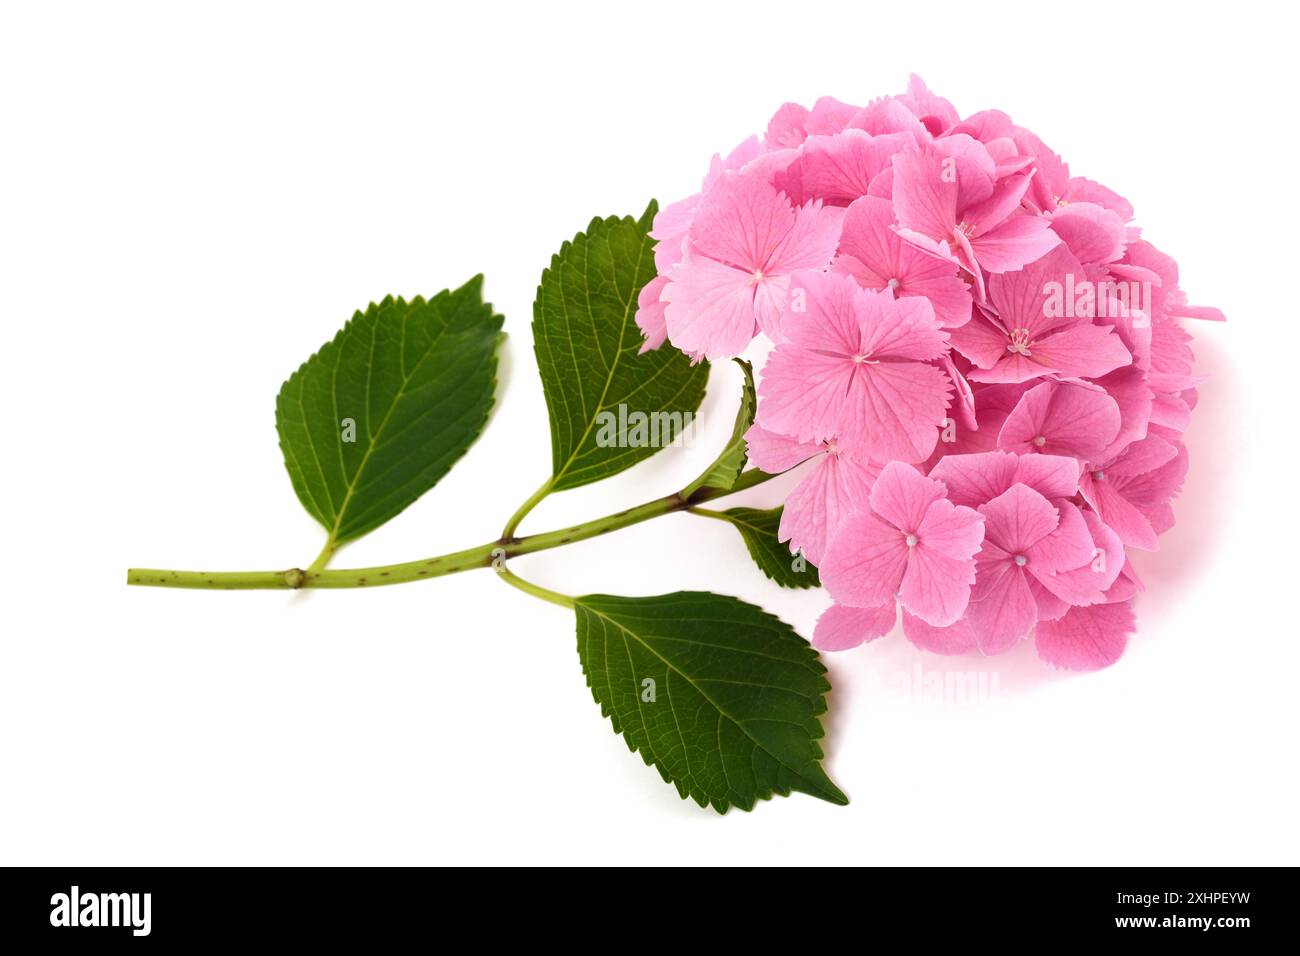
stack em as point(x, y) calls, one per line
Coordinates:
point(648, 217)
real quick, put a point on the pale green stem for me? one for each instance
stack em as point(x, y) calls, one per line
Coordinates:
point(522, 511)
point(478, 557)
point(536, 590)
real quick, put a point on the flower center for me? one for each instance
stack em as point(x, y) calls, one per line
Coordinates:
point(912, 540)
point(1098, 476)
point(1020, 560)
point(1040, 441)
point(1019, 341)
point(757, 277)
point(893, 285)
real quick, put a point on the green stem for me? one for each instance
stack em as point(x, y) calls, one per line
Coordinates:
point(479, 557)
point(710, 513)
point(536, 590)
point(522, 511)
point(323, 558)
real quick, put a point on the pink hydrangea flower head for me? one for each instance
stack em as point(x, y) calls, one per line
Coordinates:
point(980, 368)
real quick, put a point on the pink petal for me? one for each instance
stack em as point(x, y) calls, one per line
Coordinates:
point(1052, 476)
point(980, 341)
point(841, 627)
point(1127, 386)
point(829, 115)
point(898, 328)
point(788, 126)
point(934, 111)
point(811, 395)
point(1086, 638)
point(1061, 419)
point(810, 242)
point(902, 496)
point(971, 164)
point(1132, 526)
point(925, 193)
point(1089, 583)
point(906, 404)
point(957, 638)
point(1018, 519)
point(741, 220)
point(890, 116)
point(1032, 298)
point(838, 169)
point(923, 274)
point(973, 480)
point(710, 308)
point(836, 487)
point(1085, 190)
point(1069, 546)
point(864, 564)
point(1050, 607)
point(1018, 241)
point(1092, 233)
point(940, 567)
point(998, 206)
point(1143, 456)
point(951, 530)
point(936, 588)
point(650, 317)
point(1002, 610)
point(775, 453)
point(1012, 368)
point(1084, 351)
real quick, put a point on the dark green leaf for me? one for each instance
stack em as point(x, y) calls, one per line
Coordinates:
point(410, 384)
point(759, 529)
point(722, 697)
point(727, 467)
point(586, 339)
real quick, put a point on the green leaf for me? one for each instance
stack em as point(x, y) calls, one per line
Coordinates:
point(722, 697)
point(377, 416)
point(727, 467)
point(758, 527)
point(587, 340)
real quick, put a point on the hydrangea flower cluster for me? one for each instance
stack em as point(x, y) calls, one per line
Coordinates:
point(986, 360)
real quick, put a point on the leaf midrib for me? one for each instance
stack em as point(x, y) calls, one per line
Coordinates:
point(618, 354)
point(375, 436)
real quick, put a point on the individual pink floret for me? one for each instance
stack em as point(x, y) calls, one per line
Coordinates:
point(912, 542)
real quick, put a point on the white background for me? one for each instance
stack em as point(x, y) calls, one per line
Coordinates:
point(195, 199)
